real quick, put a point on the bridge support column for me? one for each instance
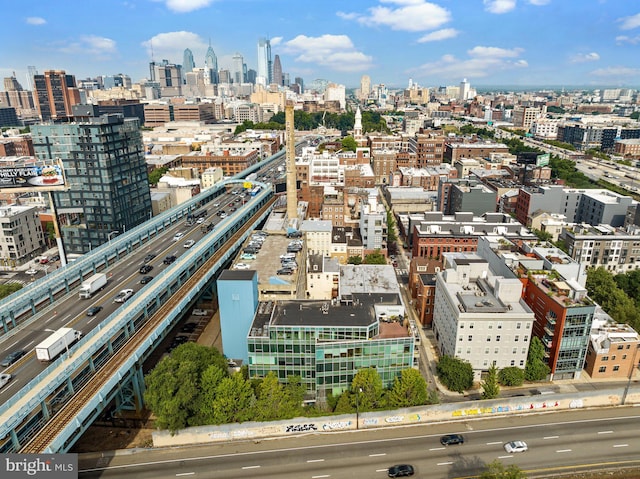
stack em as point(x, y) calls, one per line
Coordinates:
point(14, 440)
point(92, 365)
point(70, 386)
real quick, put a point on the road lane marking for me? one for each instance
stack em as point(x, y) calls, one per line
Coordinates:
point(621, 445)
point(563, 450)
point(605, 432)
point(445, 463)
point(320, 477)
point(551, 437)
point(250, 467)
point(315, 460)
point(376, 455)
point(185, 474)
point(382, 470)
point(437, 449)
point(29, 344)
point(494, 443)
point(504, 457)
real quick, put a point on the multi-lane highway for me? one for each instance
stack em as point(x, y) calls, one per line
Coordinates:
point(560, 441)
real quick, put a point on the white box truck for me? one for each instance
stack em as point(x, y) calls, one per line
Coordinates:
point(55, 344)
point(92, 284)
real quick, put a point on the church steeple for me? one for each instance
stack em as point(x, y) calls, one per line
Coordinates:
point(357, 126)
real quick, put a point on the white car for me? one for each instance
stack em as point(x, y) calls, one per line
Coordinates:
point(4, 379)
point(31, 271)
point(189, 243)
point(241, 266)
point(515, 446)
point(178, 236)
point(123, 295)
point(200, 221)
point(223, 215)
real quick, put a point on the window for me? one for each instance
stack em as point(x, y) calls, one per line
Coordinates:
point(522, 362)
point(624, 356)
point(488, 338)
point(513, 362)
point(498, 338)
point(616, 368)
point(620, 346)
point(605, 358)
point(470, 338)
point(517, 338)
point(602, 369)
point(499, 325)
point(518, 325)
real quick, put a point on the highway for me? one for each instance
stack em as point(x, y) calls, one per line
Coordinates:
point(559, 441)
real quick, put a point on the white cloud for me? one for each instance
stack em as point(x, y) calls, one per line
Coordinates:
point(626, 39)
point(183, 6)
point(275, 41)
point(629, 23)
point(539, 2)
point(405, 15)
point(499, 6)
point(36, 21)
point(494, 52)
point(585, 57)
point(332, 51)
point(90, 44)
point(482, 61)
point(616, 72)
point(171, 45)
point(438, 35)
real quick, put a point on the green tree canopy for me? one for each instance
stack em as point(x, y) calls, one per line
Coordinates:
point(375, 258)
point(511, 376)
point(277, 401)
point(536, 369)
point(605, 291)
point(490, 386)
point(496, 470)
point(354, 260)
point(409, 389)
point(234, 400)
point(156, 174)
point(370, 392)
point(9, 288)
point(349, 143)
point(456, 374)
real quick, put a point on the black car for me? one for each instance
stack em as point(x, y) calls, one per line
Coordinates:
point(285, 271)
point(93, 310)
point(146, 279)
point(145, 269)
point(148, 258)
point(450, 439)
point(188, 327)
point(169, 259)
point(401, 470)
point(12, 358)
point(55, 257)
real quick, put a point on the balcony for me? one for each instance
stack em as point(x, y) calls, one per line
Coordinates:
point(547, 341)
point(549, 330)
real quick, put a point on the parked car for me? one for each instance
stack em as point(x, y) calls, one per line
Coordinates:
point(188, 327)
point(247, 256)
point(169, 259)
point(251, 251)
point(123, 296)
point(449, 439)
point(145, 269)
point(146, 279)
point(93, 310)
point(241, 266)
point(12, 358)
point(189, 243)
point(4, 379)
point(401, 470)
point(288, 271)
point(515, 446)
point(177, 236)
point(148, 258)
point(55, 257)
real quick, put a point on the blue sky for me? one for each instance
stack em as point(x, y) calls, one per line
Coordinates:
point(439, 42)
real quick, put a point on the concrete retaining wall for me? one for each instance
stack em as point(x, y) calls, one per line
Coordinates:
point(408, 416)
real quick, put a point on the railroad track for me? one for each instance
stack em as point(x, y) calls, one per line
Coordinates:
point(39, 442)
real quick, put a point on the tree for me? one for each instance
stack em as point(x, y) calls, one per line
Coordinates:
point(354, 260)
point(276, 401)
point(349, 143)
point(490, 386)
point(536, 369)
point(375, 258)
point(409, 389)
point(234, 400)
point(156, 174)
point(511, 376)
point(9, 288)
point(615, 301)
point(455, 374)
point(391, 228)
point(209, 382)
point(367, 386)
point(496, 470)
point(542, 235)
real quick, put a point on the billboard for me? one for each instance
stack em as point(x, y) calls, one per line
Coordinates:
point(542, 160)
point(27, 177)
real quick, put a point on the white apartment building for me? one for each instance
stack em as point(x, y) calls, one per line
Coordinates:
point(21, 234)
point(323, 275)
point(373, 224)
point(545, 129)
point(480, 317)
point(335, 92)
point(318, 236)
point(210, 177)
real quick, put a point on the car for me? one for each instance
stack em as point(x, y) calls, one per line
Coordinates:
point(516, 446)
point(251, 250)
point(169, 259)
point(223, 215)
point(449, 439)
point(215, 205)
point(189, 243)
point(31, 271)
point(123, 296)
point(290, 265)
point(188, 327)
point(177, 236)
point(146, 279)
point(401, 470)
point(148, 258)
point(4, 379)
point(247, 256)
point(288, 271)
point(199, 221)
point(55, 257)
point(232, 210)
point(241, 266)
point(145, 269)
point(12, 358)
point(44, 260)
point(93, 310)
point(199, 312)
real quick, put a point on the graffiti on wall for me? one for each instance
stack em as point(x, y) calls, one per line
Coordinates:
point(300, 428)
point(505, 408)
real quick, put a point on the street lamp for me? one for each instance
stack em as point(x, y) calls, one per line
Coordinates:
point(358, 391)
point(112, 233)
point(66, 345)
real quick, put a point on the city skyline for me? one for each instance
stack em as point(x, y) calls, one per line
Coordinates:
point(489, 42)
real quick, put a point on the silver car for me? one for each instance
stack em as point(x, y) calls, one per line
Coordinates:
point(515, 446)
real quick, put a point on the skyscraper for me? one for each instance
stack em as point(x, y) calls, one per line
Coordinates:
point(265, 72)
point(187, 61)
point(277, 71)
point(55, 94)
point(365, 86)
point(300, 81)
point(211, 63)
point(104, 163)
point(237, 71)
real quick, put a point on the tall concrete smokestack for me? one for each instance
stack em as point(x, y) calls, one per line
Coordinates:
point(292, 194)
